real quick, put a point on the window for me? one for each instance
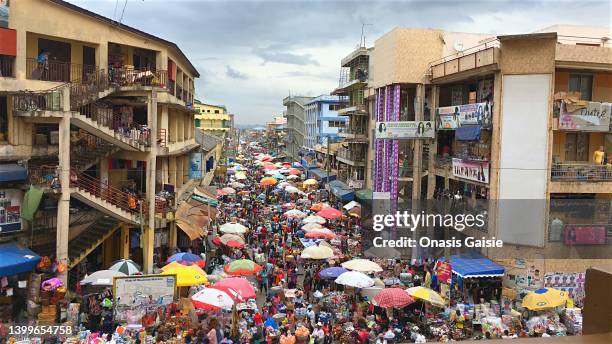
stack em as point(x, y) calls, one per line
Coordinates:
point(334, 107)
point(216, 111)
point(335, 124)
point(3, 119)
point(6, 66)
point(576, 147)
point(197, 122)
point(582, 83)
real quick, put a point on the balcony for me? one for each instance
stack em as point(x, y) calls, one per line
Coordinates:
point(578, 56)
point(350, 157)
point(359, 134)
point(478, 57)
point(57, 71)
point(353, 109)
point(575, 172)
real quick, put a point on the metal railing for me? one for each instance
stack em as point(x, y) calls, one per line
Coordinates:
point(179, 91)
point(162, 138)
point(581, 172)
point(39, 100)
point(57, 71)
point(442, 161)
point(348, 154)
point(44, 176)
point(87, 90)
point(104, 116)
point(353, 131)
point(138, 77)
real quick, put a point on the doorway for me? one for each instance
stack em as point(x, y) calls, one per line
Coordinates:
point(89, 62)
point(59, 60)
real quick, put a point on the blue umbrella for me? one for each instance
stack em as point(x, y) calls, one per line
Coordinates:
point(270, 322)
point(186, 258)
point(332, 273)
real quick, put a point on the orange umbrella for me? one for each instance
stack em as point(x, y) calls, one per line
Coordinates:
point(320, 233)
point(295, 172)
point(268, 181)
point(319, 206)
point(330, 213)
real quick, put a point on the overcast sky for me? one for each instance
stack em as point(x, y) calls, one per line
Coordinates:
point(251, 54)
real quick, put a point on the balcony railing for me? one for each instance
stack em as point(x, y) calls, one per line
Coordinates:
point(484, 54)
point(348, 154)
point(57, 71)
point(353, 131)
point(442, 162)
point(575, 172)
point(103, 115)
point(51, 100)
point(138, 77)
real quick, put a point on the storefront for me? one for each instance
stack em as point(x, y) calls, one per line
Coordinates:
point(342, 191)
point(15, 267)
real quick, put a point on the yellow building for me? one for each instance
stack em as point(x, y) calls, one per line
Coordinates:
point(109, 115)
point(211, 118)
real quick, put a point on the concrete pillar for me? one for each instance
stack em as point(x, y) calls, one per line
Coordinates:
point(148, 234)
point(418, 144)
point(124, 247)
point(63, 207)
point(433, 146)
point(20, 62)
point(172, 172)
point(495, 155)
point(172, 242)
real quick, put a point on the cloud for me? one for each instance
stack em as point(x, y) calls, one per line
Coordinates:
point(270, 54)
point(235, 74)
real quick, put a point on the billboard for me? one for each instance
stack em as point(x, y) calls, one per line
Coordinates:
point(452, 117)
point(134, 291)
point(10, 210)
point(594, 117)
point(475, 170)
point(195, 165)
point(405, 130)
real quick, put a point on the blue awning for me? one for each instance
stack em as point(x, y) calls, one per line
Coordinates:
point(468, 133)
point(474, 265)
point(341, 190)
point(16, 259)
point(12, 172)
point(322, 175)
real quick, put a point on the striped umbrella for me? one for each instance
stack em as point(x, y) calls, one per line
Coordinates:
point(127, 266)
point(392, 298)
point(242, 267)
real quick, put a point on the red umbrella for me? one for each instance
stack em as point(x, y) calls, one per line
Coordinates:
point(217, 241)
point(330, 213)
point(392, 298)
point(295, 172)
point(244, 288)
point(269, 167)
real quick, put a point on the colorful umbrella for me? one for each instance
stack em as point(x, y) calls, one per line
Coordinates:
point(187, 276)
point(241, 285)
point(229, 191)
point(127, 266)
point(319, 206)
point(294, 172)
point(186, 258)
point(237, 185)
point(332, 273)
point(320, 233)
point(296, 165)
point(311, 226)
point(293, 177)
point(330, 213)
point(310, 182)
point(268, 181)
point(289, 205)
point(291, 189)
point(355, 279)
point(232, 240)
point(392, 298)
point(294, 213)
point(426, 294)
point(313, 219)
point(170, 266)
point(242, 267)
point(544, 298)
point(212, 299)
point(362, 265)
point(269, 167)
point(233, 228)
point(240, 176)
point(317, 252)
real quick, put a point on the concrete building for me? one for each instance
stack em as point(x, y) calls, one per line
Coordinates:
point(321, 121)
point(105, 125)
point(212, 118)
point(296, 127)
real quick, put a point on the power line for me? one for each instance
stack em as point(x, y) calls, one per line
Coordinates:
point(123, 11)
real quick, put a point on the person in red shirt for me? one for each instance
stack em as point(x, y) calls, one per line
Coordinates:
point(363, 335)
point(258, 318)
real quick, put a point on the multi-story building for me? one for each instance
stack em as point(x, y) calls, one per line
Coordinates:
point(103, 124)
point(275, 131)
point(353, 85)
point(321, 121)
point(295, 113)
point(212, 118)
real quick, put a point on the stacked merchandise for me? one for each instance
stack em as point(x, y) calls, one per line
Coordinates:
point(546, 323)
point(572, 318)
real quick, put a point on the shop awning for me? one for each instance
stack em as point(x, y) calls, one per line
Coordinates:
point(322, 175)
point(341, 190)
point(12, 172)
point(468, 133)
point(474, 265)
point(16, 259)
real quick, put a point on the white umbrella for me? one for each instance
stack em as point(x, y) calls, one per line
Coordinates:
point(271, 172)
point(102, 277)
point(362, 265)
point(240, 176)
point(311, 226)
point(294, 213)
point(350, 205)
point(213, 299)
point(293, 177)
point(237, 185)
point(355, 279)
point(229, 191)
point(283, 185)
point(317, 252)
point(233, 228)
point(291, 189)
point(313, 219)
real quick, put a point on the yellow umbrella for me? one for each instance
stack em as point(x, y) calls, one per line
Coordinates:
point(544, 298)
point(268, 181)
point(187, 275)
point(171, 265)
point(320, 251)
point(426, 294)
point(310, 182)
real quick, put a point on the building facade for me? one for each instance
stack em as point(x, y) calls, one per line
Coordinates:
point(322, 122)
point(212, 118)
point(295, 114)
point(105, 125)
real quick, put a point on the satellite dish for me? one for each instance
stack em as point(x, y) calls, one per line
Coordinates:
point(458, 46)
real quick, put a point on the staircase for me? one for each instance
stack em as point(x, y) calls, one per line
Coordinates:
point(106, 198)
point(89, 150)
point(89, 239)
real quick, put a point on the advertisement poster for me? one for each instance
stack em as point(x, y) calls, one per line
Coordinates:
point(10, 210)
point(584, 235)
point(195, 165)
point(444, 272)
point(477, 171)
point(144, 290)
point(452, 117)
point(405, 130)
point(572, 283)
point(595, 117)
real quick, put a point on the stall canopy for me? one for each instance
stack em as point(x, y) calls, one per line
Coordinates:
point(341, 190)
point(322, 175)
point(364, 194)
point(474, 265)
point(468, 133)
point(12, 172)
point(16, 259)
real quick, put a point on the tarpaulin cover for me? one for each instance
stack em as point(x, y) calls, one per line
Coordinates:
point(472, 264)
point(341, 190)
point(16, 259)
point(12, 172)
point(468, 133)
point(322, 175)
point(30, 203)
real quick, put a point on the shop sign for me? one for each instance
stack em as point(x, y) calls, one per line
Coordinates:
point(444, 272)
point(594, 117)
point(134, 291)
point(195, 165)
point(584, 235)
point(10, 210)
point(405, 130)
point(452, 117)
point(477, 171)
